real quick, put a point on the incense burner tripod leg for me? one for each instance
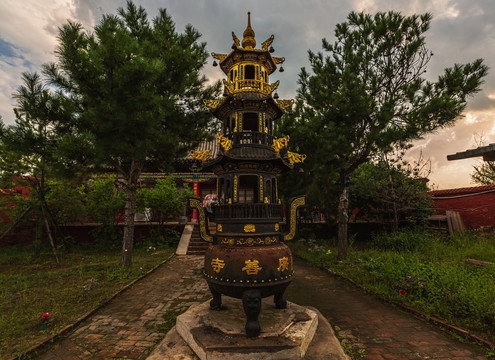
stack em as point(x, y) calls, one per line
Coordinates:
point(216, 302)
point(280, 302)
point(251, 301)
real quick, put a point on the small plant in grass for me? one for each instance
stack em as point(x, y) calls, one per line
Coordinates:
point(44, 321)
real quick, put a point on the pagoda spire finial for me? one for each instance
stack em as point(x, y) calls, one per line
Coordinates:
point(248, 42)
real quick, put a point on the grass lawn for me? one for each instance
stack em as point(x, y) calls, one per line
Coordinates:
point(84, 278)
point(423, 271)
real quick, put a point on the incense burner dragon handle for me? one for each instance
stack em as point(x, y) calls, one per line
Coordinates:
point(203, 226)
point(294, 204)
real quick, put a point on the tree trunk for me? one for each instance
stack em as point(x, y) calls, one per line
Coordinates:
point(395, 223)
point(130, 209)
point(343, 219)
point(49, 232)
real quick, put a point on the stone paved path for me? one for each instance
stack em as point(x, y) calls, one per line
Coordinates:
point(124, 328)
point(383, 331)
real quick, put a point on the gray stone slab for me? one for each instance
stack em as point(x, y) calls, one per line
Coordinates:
point(312, 340)
point(185, 239)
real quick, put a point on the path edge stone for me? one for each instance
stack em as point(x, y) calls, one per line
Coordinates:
point(185, 239)
point(37, 347)
point(436, 321)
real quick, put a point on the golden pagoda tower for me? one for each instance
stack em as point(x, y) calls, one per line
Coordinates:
point(247, 258)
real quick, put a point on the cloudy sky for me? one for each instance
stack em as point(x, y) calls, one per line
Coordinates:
point(461, 31)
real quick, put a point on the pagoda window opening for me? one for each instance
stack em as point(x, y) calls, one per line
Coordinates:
point(249, 73)
point(206, 189)
point(268, 190)
point(274, 191)
point(221, 190)
point(248, 189)
point(250, 122)
point(266, 76)
point(227, 126)
point(228, 191)
point(231, 75)
point(269, 125)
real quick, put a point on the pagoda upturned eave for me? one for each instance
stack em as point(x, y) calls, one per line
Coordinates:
point(238, 55)
point(275, 160)
point(253, 100)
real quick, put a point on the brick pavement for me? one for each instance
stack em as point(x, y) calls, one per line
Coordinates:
point(364, 322)
point(125, 328)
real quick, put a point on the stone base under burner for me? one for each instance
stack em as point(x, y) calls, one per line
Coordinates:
point(286, 334)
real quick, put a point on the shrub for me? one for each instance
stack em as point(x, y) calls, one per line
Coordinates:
point(406, 240)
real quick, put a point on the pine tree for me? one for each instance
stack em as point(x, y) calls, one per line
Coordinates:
point(370, 95)
point(34, 142)
point(138, 92)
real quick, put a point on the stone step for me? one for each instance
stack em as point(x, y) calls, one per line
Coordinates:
point(196, 245)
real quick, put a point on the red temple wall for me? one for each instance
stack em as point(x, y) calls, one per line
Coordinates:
point(476, 205)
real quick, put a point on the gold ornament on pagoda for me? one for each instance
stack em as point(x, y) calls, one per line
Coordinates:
point(249, 228)
point(279, 144)
point(284, 104)
point(201, 155)
point(228, 87)
point(267, 42)
point(272, 87)
point(295, 157)
point(219, 57)
point(212, 103)
point(248, 42)
point(236, 39)
point(225, 143)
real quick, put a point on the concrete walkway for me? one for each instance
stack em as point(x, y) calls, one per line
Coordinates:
point(126, 328)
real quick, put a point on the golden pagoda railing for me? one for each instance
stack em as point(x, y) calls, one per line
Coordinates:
point(251, 137)
point(246, 211)
point(250, 85)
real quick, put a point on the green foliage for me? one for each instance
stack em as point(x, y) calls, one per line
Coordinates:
point(484, 173)
point(405, 240)
point(160, 236)
point(33, 142)
point(164, 199)
point(429, 268)
point(66, 202)
point(11, 164)
point(391, 190)
point(105, 205)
